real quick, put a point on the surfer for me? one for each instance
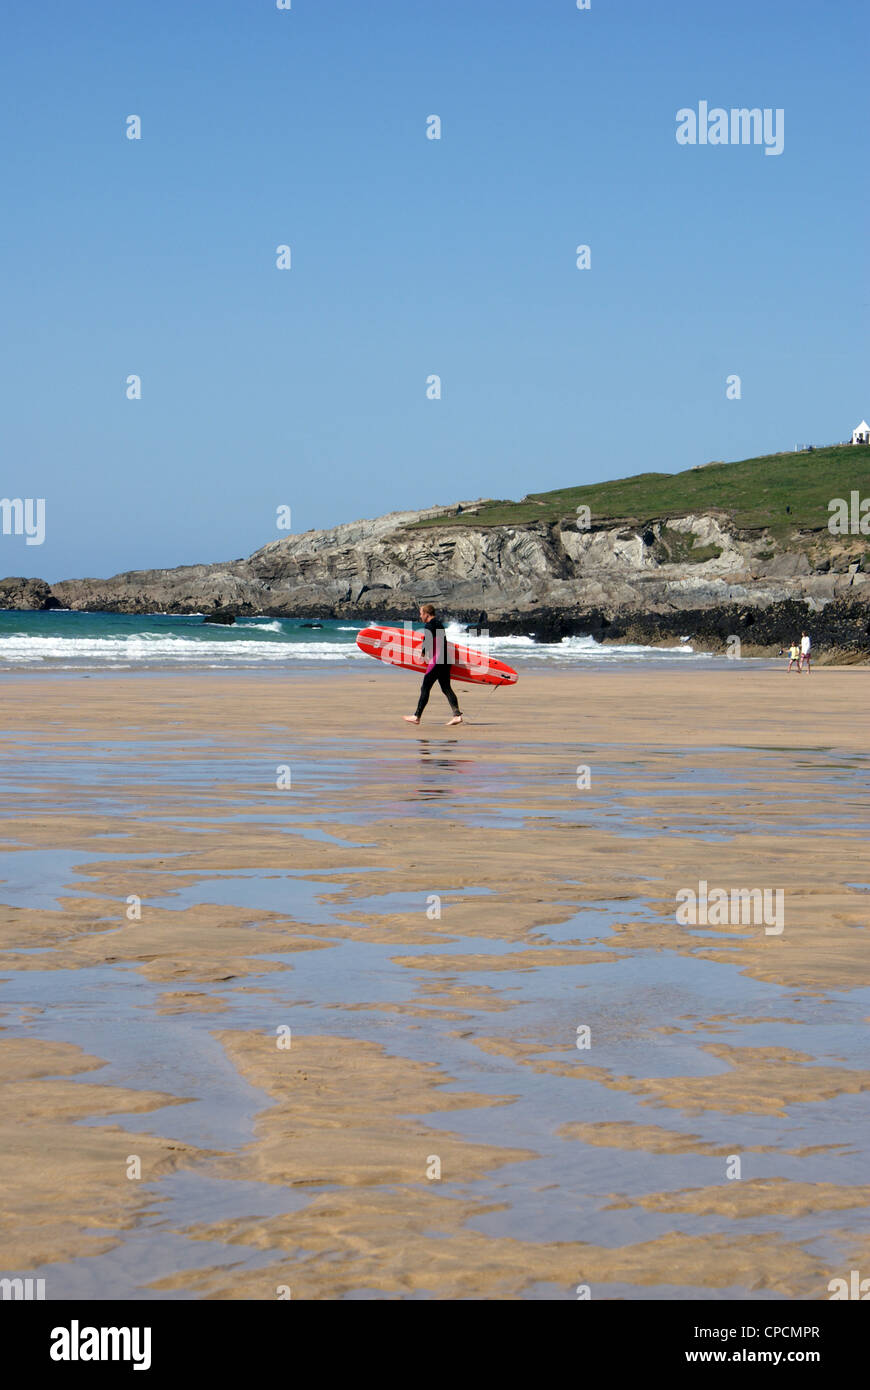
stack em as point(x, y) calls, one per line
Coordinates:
point(438, 668)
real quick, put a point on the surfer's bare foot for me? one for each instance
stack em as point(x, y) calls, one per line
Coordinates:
point(457, 719)
point(411, 718)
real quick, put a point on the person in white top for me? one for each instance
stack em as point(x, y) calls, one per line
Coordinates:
point(805, 652)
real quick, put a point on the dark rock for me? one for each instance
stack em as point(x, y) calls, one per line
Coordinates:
point(27, 595)
point(479, 626)
point(220, 615)
point(838, 627)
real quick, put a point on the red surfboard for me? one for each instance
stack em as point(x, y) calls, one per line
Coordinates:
point(403, 647)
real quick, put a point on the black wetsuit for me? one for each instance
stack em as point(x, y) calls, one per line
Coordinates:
point(436, 649)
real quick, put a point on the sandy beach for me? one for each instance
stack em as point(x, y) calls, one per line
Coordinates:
point(296, 999)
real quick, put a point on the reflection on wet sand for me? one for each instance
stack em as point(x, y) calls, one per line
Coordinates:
point(440, 764)
point(424, 1023)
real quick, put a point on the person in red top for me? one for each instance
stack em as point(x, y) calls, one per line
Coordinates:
point(438, 657)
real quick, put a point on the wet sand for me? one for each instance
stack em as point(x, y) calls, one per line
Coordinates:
point(388, 1011)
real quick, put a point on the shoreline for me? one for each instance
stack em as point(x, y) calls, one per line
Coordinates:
point(406, 683)
point(839, 632)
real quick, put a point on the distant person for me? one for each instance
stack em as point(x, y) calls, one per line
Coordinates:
point(438, 668)
point(794, 657)
point(805, 652)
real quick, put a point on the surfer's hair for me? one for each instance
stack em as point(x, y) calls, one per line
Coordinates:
point(427, 608)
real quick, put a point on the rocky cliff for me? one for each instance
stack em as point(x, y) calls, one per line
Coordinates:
point(679, 575)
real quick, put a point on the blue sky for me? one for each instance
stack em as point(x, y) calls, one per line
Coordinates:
point(410, 256)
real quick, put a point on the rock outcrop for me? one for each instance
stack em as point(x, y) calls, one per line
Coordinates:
point(27, 595)
point(686, 575)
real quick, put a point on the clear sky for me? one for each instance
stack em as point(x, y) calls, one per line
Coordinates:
point(307, 387)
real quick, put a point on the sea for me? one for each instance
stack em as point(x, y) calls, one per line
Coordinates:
point(70, 641)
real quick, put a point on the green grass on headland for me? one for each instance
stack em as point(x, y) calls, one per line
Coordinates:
point(777, 491)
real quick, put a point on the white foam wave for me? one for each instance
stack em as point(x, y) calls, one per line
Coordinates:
point(568, 649)
point(226, 647)
point(154, 647)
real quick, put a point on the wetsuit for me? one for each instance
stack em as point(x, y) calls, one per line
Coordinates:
point(437, 653)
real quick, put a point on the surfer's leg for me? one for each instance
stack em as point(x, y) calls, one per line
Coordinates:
point(428, 681)
point(444, 682)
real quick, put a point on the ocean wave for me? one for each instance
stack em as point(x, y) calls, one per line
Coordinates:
point(151, 647)
point(569, 648)
point(106, 641)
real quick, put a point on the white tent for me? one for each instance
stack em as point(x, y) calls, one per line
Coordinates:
point(861, 433)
